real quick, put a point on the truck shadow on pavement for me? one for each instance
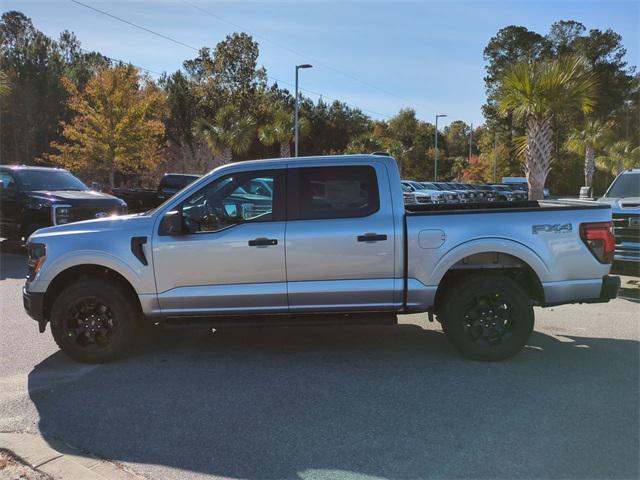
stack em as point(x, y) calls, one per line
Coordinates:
point(350, 402)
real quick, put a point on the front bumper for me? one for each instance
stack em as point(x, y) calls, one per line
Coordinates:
point(34, 306)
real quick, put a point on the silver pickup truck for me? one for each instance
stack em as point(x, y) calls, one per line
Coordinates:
point(326, 240)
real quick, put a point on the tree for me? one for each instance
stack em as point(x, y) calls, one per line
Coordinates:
point(117, 127)
point(279, 129)
point(229, 75)
point(588, 140)
point(36, 100)
point(183, 104)
point(510, 45)
point(477, 170)
point(230, 133)
point(618, 157)
point(537, 91)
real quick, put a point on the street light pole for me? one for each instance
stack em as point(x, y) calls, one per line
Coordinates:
point(495, 144)
point(470, 141)
point(296, 126)
point(435, 168)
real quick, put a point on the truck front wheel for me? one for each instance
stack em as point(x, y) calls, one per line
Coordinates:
point(93, 321)
point(487, 317)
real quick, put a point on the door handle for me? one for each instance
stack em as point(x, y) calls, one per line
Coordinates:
point(371, 237)
point(262, 242)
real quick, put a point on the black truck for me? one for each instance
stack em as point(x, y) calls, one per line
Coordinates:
point(38, 197)
point(141, 199)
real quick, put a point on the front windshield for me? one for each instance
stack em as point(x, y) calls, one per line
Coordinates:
point(625, 186)
point(49, 180)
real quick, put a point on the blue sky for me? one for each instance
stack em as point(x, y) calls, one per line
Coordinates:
point(378, 55)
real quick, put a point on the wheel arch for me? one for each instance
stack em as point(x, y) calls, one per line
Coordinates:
point(496, 256)
point(87, 271)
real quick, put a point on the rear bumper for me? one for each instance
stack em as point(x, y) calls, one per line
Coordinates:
point(582, 291)
point(34, 306)
point(610, 287)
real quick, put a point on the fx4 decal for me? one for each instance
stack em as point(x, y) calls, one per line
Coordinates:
point(551, 228)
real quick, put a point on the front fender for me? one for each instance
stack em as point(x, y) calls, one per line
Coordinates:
point(134, 275)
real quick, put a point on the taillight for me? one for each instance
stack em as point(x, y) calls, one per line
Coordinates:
point(599, 238)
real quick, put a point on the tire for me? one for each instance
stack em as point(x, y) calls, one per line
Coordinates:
point(94, 321)
point(487, 317)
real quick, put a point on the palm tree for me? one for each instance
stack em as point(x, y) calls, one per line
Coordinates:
point(534, 92)
point(619, 156)
point(230, 133)
point(591, 138)
point(280, 130)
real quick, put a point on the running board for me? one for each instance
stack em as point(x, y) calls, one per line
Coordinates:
point(284, 320)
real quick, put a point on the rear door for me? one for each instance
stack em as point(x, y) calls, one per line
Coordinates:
point(339, 238)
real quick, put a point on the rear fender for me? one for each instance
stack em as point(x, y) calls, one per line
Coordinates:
point(492, 245)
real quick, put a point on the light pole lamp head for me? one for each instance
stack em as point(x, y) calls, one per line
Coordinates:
point(441, 115)
point(304, 65)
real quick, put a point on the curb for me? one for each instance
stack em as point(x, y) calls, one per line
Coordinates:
point(37, 451)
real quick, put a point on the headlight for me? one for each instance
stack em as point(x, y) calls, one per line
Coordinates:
point(36, 254)
point(61, 214)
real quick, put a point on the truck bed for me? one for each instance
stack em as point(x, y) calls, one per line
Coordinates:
point(520, 206)
point(542, 236)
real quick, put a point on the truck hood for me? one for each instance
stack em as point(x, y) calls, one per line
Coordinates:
point(623, 205)
point(74, 197)
point(125, 223)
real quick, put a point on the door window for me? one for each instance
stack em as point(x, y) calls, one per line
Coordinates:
point(234, 199)
point(8, 181)
point(333, 192)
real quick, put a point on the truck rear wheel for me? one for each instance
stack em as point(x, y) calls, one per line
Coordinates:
point(487, 317)
point(94, 321)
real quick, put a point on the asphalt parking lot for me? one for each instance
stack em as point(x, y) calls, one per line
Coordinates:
point(346, 402)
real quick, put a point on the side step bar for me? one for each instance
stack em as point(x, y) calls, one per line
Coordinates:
point(284, 320)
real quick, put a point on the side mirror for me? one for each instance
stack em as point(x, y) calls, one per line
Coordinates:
point(172, 223)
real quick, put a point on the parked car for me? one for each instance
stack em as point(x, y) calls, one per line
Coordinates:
point(624, 197)
point(505, 194)
point(464, 195)
point(412, 196)
point(435, 195)
point(521, 184)
point(478, 194)
point(37, 197)
point(521, 192)
point(488, 192)
point(143, 199)
point(449, 195)
point(213, 256)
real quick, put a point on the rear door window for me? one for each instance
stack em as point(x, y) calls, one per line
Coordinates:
point(332, 192)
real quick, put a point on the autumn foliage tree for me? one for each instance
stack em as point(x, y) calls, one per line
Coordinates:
point(477, 170)
point(117, 127)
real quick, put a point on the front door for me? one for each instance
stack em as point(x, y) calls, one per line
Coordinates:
point(232, 258)
point(340, 239)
